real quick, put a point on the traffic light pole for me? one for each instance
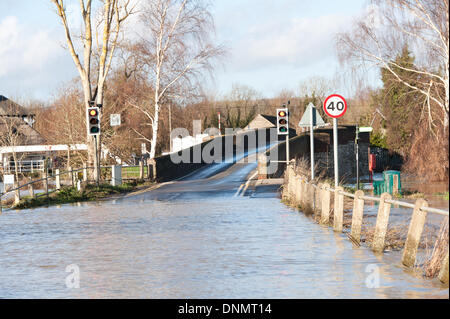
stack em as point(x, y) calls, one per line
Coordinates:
point(97, 164)
point(287, 149)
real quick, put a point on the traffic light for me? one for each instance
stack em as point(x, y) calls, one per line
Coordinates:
point(93, 121)
point(283, 121)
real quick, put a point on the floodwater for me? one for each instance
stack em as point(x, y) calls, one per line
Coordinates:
point(193, 239)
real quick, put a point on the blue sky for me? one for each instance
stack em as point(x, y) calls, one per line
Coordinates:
point(273, 45)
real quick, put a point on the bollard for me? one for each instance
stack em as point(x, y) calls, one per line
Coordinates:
point(16, 193)
point(116, 175)
point(85, 173)
point(443, 273)
point(71, 176)
point(357, 215)
point(57, 179)
point(141, 170)
point(414, 233)
point(31, 190)
point(338, 209)
point(382, 223)
point(325, 216)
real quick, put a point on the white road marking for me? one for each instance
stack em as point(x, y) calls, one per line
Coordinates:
point(248, 183)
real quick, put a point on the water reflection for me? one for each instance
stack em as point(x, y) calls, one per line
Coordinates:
point(190, 248)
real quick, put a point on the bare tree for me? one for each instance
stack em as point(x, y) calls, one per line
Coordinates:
point(114, 13)
point(11, 135)
point(421, 24)
point(176, 49)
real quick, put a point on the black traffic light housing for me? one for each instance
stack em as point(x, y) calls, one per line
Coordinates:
point(93, 120)
point(283, 121)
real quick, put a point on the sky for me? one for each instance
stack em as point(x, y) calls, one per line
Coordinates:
point(272, 45)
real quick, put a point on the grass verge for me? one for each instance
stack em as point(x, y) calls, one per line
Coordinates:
point(72, 195)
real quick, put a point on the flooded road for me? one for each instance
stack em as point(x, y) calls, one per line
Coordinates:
point(193, 239)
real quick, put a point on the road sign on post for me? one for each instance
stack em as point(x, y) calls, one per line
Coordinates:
point(335, 106)
point(115, 120)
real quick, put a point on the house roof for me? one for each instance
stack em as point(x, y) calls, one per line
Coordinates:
point(11, 108)
point(262, 121)
point(14, 120)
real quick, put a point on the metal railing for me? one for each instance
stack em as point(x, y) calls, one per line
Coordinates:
point(137, 172)
point(318, 197)
point(29, 166)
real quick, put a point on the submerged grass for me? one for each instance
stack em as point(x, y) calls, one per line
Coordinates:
point(72, 195)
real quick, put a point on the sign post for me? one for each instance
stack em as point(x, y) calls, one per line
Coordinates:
point(335, 106)
point(311, 119)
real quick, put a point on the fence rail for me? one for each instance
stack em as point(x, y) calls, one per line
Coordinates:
point(318, 197)
point(114, 174)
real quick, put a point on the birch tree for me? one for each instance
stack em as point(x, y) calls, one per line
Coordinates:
point(97, 37)
point(176, 49)
point(422, 25)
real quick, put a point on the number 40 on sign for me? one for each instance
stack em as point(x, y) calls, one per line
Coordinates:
point(335, 106)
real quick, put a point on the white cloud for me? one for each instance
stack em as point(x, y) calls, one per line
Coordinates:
point(31, 59)
point(298, 42)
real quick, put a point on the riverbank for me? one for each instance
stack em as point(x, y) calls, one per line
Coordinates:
point(91, 192)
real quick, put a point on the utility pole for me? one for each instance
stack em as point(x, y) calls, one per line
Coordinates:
point(170, 127)
point(311, 141)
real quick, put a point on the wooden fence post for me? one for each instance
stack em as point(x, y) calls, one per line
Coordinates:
point(57, 179)
point(325, 216)
point(443, 273)
point(318, 192)
point(297, 191)
point(357, 215)
point(382, 223)
point(338, 209)
point(302, 192)
point(310, 195)
point(414, 233)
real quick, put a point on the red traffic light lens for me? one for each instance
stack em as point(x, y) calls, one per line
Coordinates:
point(282, 121)
point(93, 121)
point(282, 113)
point(93, 112)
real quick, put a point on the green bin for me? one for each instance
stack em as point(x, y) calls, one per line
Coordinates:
point(389, 177)
point(387, 184)
point(378, 187)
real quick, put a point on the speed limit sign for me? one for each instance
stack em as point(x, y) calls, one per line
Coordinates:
point(335, 106)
